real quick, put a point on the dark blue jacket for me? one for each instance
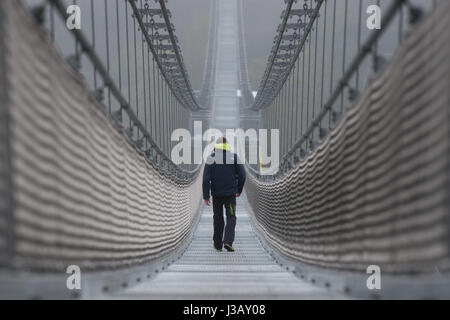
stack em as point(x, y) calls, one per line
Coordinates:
point(224, 178)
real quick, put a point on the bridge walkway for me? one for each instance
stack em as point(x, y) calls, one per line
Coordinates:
point(203, 273)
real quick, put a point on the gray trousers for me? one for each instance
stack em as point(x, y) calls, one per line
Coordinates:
point(219, 224)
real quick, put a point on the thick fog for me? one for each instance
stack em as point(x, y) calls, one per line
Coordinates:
point(191, 19)
point(262, 18)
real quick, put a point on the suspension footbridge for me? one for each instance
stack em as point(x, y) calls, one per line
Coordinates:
point(87, 178)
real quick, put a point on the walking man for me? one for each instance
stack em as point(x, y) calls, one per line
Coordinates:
point(225, 178)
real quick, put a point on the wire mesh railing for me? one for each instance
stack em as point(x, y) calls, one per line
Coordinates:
point(75, 190)
point(375, 191)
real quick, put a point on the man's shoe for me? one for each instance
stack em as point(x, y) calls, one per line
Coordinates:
point(217, 249)
point(229, 248)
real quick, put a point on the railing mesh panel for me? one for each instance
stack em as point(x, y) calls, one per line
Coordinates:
point(83, 193)
point(376, 191)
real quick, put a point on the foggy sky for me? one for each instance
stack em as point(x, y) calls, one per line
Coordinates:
point(191, 19)
point(262, 18)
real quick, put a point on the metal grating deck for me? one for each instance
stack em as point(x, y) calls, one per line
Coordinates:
point(204, 274)
point(250, 272)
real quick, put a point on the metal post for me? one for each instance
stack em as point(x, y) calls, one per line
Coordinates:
point(7, 192)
